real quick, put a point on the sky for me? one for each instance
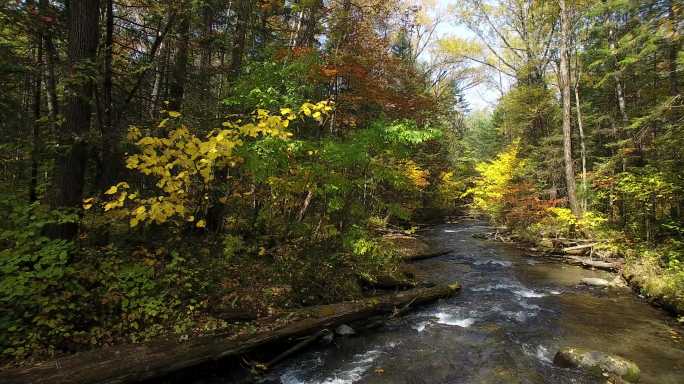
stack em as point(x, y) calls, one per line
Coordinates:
point(483, 96)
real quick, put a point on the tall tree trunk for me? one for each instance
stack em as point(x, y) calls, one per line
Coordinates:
point(243, 11)
point(567, 109)
point(580, 126)
point(51, 83)
point(673, 49)
point(309, 32)
point(160, 69)
point(294, 34)
point(583, 148)
point(180, 66)
point(619, 93)
point(35, 126)
point(110, 136)
point(208, 100)
point(70, 164)
point(150, 58)
point(50, 77)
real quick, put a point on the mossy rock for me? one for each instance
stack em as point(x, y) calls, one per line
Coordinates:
point(597, 363)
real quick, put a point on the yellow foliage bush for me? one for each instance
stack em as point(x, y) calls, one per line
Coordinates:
point(417, 175)
point(562, 222)
point(495, 180)
point(449, 189)
point(184, 165)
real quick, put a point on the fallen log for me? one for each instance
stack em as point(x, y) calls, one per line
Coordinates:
point(596, 264)
point(579, 249)
point(134, 363)
point(296, 348)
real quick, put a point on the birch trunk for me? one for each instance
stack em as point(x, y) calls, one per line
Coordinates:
point(580, 126)
point(567, 128)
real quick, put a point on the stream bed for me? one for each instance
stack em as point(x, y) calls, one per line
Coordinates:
point(514, 312)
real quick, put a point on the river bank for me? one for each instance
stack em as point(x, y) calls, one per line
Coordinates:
point(643, 275)
point(268, 339)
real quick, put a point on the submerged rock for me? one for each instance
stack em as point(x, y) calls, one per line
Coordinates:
point(345, 330)
point(596, 282)
point(598, 363)
point(327, 338)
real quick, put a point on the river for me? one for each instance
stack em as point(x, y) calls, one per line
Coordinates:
point(514, 312)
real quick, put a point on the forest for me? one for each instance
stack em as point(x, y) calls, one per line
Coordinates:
point(177, 168)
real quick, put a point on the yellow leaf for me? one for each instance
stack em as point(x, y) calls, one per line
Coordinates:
point(133, 133)
point(109, 205)
point(112, 190)
point(174, 114)
point(201, 224)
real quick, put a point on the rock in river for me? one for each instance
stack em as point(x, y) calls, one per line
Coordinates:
point(345, 330)
point(596, 282)
point(598, 363)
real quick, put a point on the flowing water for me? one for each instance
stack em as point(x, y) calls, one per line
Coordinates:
point(514, 312)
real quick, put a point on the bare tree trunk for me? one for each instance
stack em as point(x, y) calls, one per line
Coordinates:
point(110, 137)
point(36, 138)
point(567, 128)
point(619, 91)
point(51, 56)
point(295, 30)
point(151, 55)
point(307, 35)
point(50, 77)
point(580, 126)
point(240, 37)
point(305, 205)
point(622, 105)
point(208, 100)
point(180, 66)
point(160, 67)
point(73, 154)
point(673, 49)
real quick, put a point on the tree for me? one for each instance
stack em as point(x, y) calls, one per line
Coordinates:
point(70, 164)
point(565, 37)
point(179, 71)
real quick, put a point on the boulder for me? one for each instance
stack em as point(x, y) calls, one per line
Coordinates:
point(596, 282)
point(327, 338)
point(345, 330)
point(598, 363)
point(407, 246)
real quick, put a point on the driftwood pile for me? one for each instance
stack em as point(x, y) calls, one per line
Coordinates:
point(581, 252)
